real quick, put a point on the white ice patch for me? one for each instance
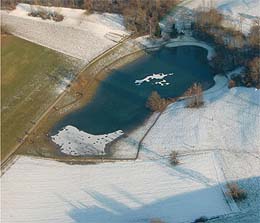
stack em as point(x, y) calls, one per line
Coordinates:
point(159, 76)
point(77, 143)
point(62, 85)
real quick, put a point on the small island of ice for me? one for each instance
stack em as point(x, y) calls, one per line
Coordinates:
point(159, 76)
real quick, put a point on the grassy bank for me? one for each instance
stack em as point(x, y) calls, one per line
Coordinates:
point(78, 95)
point(31, 75)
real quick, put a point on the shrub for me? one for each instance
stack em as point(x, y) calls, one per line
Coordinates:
point(5, 29)
point(174, 33)
point(8, 5)
point(45, 14)
point(57, 17)
point(157, 31)
point(254, 35)
point(231, 84)
point(156, 221)
point(201, 220)
point(42, 13)
point(208, 19)
point(235, 192)
point(194, 96)
point(254, 72)
point(174, 160)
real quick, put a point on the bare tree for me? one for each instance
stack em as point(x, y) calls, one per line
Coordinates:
point(156, 220)
point(231, 84)
point(174, 160)
point(241, 20)
point(254, 71)
point(235, 192)
point(254, 35)
point(156, 103)
point(88, 5)
point(194, 96)
point(208, 19)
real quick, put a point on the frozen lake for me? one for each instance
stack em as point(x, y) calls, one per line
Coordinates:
point(120, 101)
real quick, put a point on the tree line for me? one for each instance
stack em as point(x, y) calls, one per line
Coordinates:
point(233, 47)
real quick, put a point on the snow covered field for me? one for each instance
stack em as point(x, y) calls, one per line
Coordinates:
point(78, 35)
point(217, 142)
point(230, 120)
point(235, 11)
point(228, 125)
point(46, 191)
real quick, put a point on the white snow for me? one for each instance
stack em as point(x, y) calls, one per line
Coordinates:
point(190, 41)
point(228, 125)
point(75, 142)
point(46, 191)
point(75, 17)
point(62, 85)
point(78, 35)
point(216, 143)
point(235, 10)
point(229, 120)
point(159, 76)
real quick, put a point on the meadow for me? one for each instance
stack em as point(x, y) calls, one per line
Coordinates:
point(32, 77)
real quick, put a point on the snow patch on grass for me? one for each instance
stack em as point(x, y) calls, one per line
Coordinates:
point(78, 35)
point(235, 11)
point(78, 143)
point(112, 192)
point(229, 120)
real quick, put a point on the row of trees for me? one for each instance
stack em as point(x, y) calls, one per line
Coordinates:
point(141, 17)
point(59, 3)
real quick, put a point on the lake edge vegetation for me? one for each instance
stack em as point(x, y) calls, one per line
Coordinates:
point(234, 191)
point(233, 47)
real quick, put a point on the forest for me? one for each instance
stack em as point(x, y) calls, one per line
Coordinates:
point(234, 48)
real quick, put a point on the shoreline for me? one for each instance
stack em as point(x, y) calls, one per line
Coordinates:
point(39, 143)
point(46, 148)
point(220, 82)
point(176, 42)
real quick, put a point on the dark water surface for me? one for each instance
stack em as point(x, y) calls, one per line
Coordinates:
point(120, 104)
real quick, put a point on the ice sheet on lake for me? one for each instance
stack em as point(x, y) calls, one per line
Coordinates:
point(159, 76)
point(75, 142)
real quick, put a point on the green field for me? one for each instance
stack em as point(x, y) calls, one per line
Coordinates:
point(30, 78)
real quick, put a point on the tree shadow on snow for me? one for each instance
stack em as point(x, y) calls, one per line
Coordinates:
point(185, 207)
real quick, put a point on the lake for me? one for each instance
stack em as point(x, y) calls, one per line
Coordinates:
point(120, 101)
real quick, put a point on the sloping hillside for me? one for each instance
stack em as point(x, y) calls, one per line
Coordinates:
point(78, 35)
